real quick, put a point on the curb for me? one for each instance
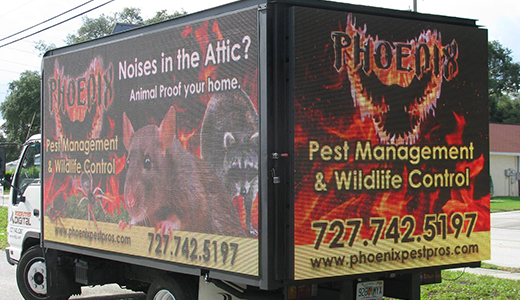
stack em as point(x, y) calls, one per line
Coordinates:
point(505, 212)
point(488, 272)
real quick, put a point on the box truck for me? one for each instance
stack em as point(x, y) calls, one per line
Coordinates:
point(259, 150)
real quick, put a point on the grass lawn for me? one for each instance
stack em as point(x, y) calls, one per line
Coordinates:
point(502, 204)
point(500, 268)
point(458, 285)
point(3, 227)
point(464, 286)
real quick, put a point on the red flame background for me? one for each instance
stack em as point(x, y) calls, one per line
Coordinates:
point(325, 112)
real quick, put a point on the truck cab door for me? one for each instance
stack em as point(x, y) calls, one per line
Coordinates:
point(25, 208)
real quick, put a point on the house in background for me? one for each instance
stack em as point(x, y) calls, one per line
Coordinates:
point(11, 166)
point(504, 159)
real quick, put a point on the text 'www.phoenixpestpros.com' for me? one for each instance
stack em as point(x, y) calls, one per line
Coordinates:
point(393, 255)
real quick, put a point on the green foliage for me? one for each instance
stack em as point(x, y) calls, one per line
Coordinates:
point(129, 15)
point(468, 286)
point(504, 74)
point(103, 25)
point(504, 85)
point(91, 29)
point(504, 109)
point(3, 228)
point(42, 47)
point(9, 178)
point(465, 286)
point(502, 204)
point(32, 172)
point(500, 268)
point(78, 207)
point(12, 151)
point(163, 15)
point(21, 110)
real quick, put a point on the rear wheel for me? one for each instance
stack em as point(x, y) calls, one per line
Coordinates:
point(172, 288)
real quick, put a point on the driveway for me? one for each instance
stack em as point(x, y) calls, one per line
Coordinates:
point(505, 239)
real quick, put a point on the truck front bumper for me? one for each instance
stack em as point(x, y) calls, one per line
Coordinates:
point(10, 260)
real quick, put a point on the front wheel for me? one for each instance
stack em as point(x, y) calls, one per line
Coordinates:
point(170, 288)
point(31, 274)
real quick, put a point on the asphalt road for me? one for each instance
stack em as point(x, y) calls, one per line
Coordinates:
point(9, 289)
point(505, 239)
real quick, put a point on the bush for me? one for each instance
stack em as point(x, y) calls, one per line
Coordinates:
point(32, 172)
point(9, 178)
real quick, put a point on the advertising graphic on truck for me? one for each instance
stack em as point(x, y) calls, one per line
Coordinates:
point(151, 145)
point(391, 167)
point(259, 150)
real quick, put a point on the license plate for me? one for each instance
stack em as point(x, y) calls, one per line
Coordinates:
point(370, 290)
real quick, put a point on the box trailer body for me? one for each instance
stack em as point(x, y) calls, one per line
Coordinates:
point(269, 147)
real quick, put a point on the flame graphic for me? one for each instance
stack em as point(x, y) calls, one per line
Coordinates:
point(312, 206)
point(55, 195)
point(415, 75)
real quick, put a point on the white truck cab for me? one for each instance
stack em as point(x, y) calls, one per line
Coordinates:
point(24, 218)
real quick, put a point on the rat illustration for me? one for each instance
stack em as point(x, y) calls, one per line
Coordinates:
point(170, 188)
point(229, 143)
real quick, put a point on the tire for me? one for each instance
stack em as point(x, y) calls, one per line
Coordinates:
point(31, 275)
point(173, 288)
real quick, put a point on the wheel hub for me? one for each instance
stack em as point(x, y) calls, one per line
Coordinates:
point(36, 277)
point(164, 295)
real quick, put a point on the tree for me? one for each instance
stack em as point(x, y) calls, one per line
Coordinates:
point(103, 25)
point(21, 109)
point(504, 85)
point(42, 47)
point(507, 111)
point(504, 74)
point(129, 15)
point(163, 15)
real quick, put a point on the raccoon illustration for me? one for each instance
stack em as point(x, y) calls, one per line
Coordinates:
point(229, 144)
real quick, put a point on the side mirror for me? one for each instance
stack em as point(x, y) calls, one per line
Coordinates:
point(18, 191)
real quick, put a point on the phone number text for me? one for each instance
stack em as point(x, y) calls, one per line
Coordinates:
point(193, 249)
point(398, 229)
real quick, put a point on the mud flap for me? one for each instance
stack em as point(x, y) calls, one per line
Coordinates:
point(60, 277)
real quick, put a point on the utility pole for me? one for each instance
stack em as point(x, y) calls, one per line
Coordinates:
point(30, 127)
point(414, 5)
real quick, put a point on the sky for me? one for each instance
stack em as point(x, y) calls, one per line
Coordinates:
point(500, 17)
